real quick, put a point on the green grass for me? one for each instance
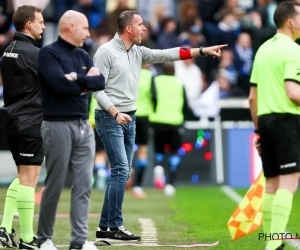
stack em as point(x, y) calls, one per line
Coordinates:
point(194, 215)
point(207, 211)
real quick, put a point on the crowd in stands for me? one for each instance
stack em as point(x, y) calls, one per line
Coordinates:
point(242, 24)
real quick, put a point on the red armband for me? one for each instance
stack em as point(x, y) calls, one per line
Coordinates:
point(185, 53)
point(84, 92)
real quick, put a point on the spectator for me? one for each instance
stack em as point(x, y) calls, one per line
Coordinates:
point(227, 63)
point(207, 105)
point(111, 5)
point(170, 107)
point(146, 7)
point(91, 9)
point(112, 17)
point(209, 9)
point(268, 8)
point(60, 7)
point(234, 5)
point(209, 13)
point(187, 13)
point(147, 39)
point(239, 8)
point(159, 13)
point(228, 28)
point(144, 109)
point(223, 81)
point(193, 84)
point(195, 38)
point(243, 60)
point(168, 38)
point(6, 34)
point(256, 24)
point(42, 4)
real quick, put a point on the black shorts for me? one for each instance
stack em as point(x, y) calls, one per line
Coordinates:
point(142, 127)
point(26, 146)
point(280, 143)
point(166, 134)
point(99, 143)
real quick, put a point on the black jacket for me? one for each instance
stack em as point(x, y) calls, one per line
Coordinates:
point(62, 99)
point(21, 90)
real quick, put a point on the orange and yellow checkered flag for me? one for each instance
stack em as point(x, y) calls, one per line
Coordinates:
point(247, 217)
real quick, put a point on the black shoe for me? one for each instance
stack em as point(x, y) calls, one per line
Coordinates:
point(121, 234)
point(281, 247)
point(30, 245)
point(100, 234)
point(8, 240)
point(278, 248)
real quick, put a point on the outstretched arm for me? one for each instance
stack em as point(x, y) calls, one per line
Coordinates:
point(169, 55)
point(214, 51)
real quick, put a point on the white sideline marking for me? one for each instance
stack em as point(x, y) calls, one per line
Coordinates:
point(232, 194)
point(149, 238)
point(149, 231)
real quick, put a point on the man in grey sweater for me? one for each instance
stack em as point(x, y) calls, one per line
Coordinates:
point(120, 62)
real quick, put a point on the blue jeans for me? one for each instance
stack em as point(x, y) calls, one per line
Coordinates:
point(118, 141)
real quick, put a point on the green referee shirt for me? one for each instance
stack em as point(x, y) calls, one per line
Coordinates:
point(276, 61)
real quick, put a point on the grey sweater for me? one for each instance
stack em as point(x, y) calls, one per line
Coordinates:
point(121, 70)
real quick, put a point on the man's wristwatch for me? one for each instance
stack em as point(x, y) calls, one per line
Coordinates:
point(201, 51)
point(73, 76)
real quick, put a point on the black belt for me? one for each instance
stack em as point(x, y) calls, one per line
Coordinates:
point(129, 112)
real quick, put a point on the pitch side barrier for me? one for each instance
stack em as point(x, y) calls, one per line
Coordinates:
point(214, 152)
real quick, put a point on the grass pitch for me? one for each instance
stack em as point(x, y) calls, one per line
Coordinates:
point(195, 215)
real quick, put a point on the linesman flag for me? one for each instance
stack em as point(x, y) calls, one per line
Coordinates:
point(247, 217)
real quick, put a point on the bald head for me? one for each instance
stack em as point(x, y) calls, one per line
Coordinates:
point(70, 17)
point(74, 27)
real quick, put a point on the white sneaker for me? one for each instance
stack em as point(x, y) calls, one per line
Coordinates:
point(138, 192)
point(47, 245)
point(158, 173)
point(88, 246)
point(169, 190)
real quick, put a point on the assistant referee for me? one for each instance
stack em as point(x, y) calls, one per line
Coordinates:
point(274, 103)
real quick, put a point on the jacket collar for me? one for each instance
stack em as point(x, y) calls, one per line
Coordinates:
point(65, 44)
point(119, 42)
point(24, 38)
